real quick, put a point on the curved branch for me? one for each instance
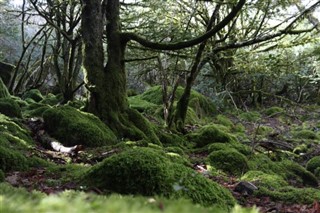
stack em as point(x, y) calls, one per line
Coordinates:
point(184, 44)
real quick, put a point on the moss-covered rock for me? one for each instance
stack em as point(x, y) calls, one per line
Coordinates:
point(136, 102)
point(71, 127)
point(52, 99)
point(271, 181)
point(221, 119)
point(250, 116)
point(210, 134)
point(11, 159)
point(35, 110)
point(170, 139)
point(243, 149)
point(137, 171)
point(199, 189)
point(305, 134)
point(273, 111)
point(229, 161)
point(33, 94)
point(10, 108)
point(313, 164)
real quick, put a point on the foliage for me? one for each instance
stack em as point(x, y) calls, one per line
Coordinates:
point(73, 127)
point(229, 161)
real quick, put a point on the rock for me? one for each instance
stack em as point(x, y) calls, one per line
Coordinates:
point(245, 188)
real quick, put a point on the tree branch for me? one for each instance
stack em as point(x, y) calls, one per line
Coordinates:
point(180, 45)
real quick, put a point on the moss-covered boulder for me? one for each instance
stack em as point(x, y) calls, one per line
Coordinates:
point(33, 94)
point(12, 160)
point(271, 181)
point(10, 107)
point(243, 149)
point(229, 161)
point(313, 164)
point(272, 111)
point(137, 171)
point(145, 171)
point(52, 99)
point(305, 134)
point(210, 134)
point(34, 110)
point(71, 127)
point(170, 139)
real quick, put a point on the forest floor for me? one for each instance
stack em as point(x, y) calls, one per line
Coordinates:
point(50, 182)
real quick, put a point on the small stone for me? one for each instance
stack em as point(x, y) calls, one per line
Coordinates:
point(245, 187)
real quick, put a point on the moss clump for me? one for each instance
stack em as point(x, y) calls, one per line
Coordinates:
point(170, 139)
point(290, 194)
point(35, 110)
point(223, 120)
point(313, 164)
point(305, 134)
point(209, 134)
point(136, 102)
point(199, 189)
point(138, 171)
point(33, 94)
point(71, 127)
point(273, 111)
point(243, 149)
point(264, 130)
point(250, 116)
point(302, 148)
point(10, 108)
point(230, 161)
point(12, 160)
point(271, 181)
point(52, 99)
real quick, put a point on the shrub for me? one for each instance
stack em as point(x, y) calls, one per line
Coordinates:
point(230, 161)
point(71, 127)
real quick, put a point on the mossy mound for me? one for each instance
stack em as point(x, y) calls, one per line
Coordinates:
point(243, 149)
point(250, 116)
point(305, 134)
point(71, 127)
point(210, 134)
point(52, 99)
point(138, 171)
point(10, 107)
point(229, 161)
point(199, 189)
point(33, 94)
point(35, 110)
point(4, 93)
point(170, 139)
point(11, 159)
point(272, 111)
point(1, 176)
point(223, 120)
point(145, 171)
point(271, 181)
point(264, 130)
point(313, 164)
point(201, 105)
point(136, 102)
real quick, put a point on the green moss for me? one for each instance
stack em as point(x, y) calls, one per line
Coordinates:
point(143, 126)
point(12, 160)
point(35, 110)
point(243, 149)
point(4, 93)
point(138, 171)
point(221, 119)
point(290, 194)
point(33, 94)
point(71, 127)
point(199, 189)
point(210, 134)
point(170, 139)
point(229, 161)
point(175, 149)
point(264, 130)
point(250, 116)
point(313, 164)
point(136, 102)
point(10, 108)
point(271, 181)
point(305, 134)
point(302, 148)
point(52, 99)
point(273, 111)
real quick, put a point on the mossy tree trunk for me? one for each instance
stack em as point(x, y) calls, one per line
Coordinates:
point(107, 83)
